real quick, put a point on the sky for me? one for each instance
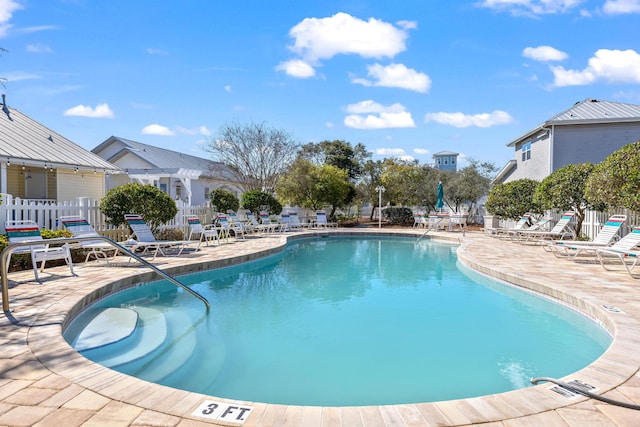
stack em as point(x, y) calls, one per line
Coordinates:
point(407, 79)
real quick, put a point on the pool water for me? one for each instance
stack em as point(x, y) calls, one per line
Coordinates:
point(345, 322)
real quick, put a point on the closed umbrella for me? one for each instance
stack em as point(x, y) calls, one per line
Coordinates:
point(440, 194)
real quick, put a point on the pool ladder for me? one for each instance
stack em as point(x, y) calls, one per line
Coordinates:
point(6, 253)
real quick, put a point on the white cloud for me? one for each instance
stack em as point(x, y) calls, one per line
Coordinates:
point(329, 125)
point(227, 88)
point(611, 66)
point(323, 38)
point(395, 152)
point(102, 111)
point(153, 51)
point(530, 7)
point(39, 48)
point(421, 151)
point(544, 53)
point(156, 129)
point(7, 7)
point(296, 68)
point(396, 75)
point(615, 7)
point(371, 115)
point(15, 76)
point(461, 120)
point(201, 130)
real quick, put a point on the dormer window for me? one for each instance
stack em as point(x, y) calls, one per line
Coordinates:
point(526, 151)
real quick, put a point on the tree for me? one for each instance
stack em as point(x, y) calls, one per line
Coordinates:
point(564, 189)
point(510, 200)
point(314, 187)
point(224, 200)
point(155, 206)
point(255, 153)
point(337, 153)
point(254, 200)
point(616, 180)
point(468, 185)
point(369, 180)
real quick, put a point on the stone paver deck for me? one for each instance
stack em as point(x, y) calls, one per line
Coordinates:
point(44, 382)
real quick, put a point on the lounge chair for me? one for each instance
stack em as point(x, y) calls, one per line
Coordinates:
point(622, 250)
point(419, 221)
point(205, 233)
point(523, 223)
point(295, 222)
point(28, 231)
point(562, 230)
point(265, 219)
point(572, 248)
point(541, 225)
point(145, 239)
point(80, 227)
point(321, 220)
point(226, 227)
point(235, 221)
point(260, 228)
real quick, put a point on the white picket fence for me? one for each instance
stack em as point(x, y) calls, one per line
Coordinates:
point(46, 214)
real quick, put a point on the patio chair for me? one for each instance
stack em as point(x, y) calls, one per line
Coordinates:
point(561, 231)
point(261, 228)
point(541, 225)
point(321, 220)
point(235, 220)
point(80, 227)
point(438, 220)
point(606, 237)
point(265, 219)
point(205, 233)
point(145, 239)
point(295, 222)
point(525, 221)
point(623, 251)
point(28, 231)
point(227, 226)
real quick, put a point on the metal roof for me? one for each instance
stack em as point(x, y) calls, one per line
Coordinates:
point(162, 159)
point(588, 111)
point(445, 153)
point(25, 141)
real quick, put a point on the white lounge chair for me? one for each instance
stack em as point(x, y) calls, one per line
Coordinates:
point(226, 227)
point(562, 230)
point(265, 219)
point(295, 222)
point(145, 239)
point(205, 233)
point(525, 221)
point(321, 220)
point(80, 227)
point(572, 248)
point(623, 251)
point(260, 228)
point(28, 231)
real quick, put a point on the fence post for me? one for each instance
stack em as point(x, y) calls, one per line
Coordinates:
point(4, 208)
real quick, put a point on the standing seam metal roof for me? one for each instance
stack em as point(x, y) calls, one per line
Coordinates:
point(22, 139)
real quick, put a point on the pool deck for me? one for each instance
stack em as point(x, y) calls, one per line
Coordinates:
point(44, 382)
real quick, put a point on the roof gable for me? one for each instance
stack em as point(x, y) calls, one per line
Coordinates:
point(24, 140)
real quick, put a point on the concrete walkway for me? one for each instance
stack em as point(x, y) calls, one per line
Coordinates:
point(44, 382)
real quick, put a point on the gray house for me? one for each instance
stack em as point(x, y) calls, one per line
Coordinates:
point(186, 178)
point(587, 132)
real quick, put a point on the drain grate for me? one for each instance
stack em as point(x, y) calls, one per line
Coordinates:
point(570, 394)
point(611, 308)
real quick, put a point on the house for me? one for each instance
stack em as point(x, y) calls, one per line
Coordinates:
point(38, 163)
point(187, 178)
point(445, 161)
point(588, 131)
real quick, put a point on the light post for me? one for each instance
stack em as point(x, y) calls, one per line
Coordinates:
point(380, 189)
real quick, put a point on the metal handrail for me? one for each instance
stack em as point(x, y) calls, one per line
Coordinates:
point(6, 253)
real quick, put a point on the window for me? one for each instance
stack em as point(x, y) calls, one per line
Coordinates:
point(446, 161)
point(526, 151)
point(453, 160)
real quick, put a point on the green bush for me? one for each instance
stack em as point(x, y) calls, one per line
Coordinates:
point(155, 206)
point(398, 215)
point(224, 200)
point(254, 199)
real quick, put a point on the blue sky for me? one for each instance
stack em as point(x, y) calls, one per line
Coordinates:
point(407, 79)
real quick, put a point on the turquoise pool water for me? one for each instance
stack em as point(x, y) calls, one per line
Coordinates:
point(347, 321)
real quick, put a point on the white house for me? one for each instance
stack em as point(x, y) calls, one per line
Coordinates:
point(588, 131)
point(182, 176)
point(39, 163)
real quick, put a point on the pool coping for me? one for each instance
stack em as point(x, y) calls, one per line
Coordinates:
point(618, 365)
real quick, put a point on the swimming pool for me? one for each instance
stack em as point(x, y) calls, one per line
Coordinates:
point(308, 327)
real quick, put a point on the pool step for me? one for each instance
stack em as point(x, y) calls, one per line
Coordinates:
point(149, 334)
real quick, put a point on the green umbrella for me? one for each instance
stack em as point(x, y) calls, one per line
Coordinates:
point(440, 194)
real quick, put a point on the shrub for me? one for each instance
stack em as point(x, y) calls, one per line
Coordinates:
point(398, 215)
point(254, 199)
point(155, 206)
point(224, 200)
